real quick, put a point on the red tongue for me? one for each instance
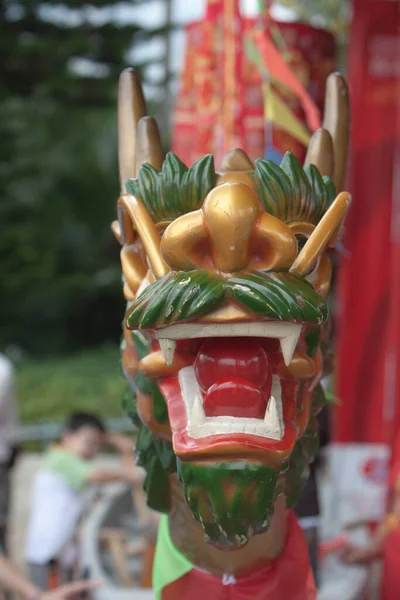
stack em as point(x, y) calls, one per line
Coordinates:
point(235, 398)
point(235, 377)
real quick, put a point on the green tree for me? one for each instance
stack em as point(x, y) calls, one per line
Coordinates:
point(59, 270)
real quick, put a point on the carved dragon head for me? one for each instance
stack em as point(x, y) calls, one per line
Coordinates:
point(226, 273)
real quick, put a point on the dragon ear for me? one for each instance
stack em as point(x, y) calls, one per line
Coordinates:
point(131, 108)
point(337, 122)
point(328, 148)
point(148, 144)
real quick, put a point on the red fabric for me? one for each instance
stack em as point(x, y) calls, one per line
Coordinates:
point(391, 551)
point(288, 578)
point(202, 123)
point(368, 382)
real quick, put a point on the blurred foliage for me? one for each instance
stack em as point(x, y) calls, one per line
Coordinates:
point(48, 390)
point(60, 282)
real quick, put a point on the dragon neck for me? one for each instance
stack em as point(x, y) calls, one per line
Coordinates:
point(188, 537)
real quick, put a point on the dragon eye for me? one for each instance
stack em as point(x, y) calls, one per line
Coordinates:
point(301, 242)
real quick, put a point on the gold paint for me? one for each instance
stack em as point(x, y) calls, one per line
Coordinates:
point(129, 355)
point(231, 212)
point(320, 152)
point(144, 405)
point(128, 234)
point(319, 367)
point(303, 416)
point(179, 240)
point(116, 229)
point(154, 365)
point(131, 108)
point(322, 235)
point(233, 228)
point(235, 160)
point(301, 228)
point(148, 144)
point(337, 122)
point(147, 232)
point(302, 367)
point(226, 313)
point(133, 267)
point(320, 277)
point(162, 226)
point(128, 294)
point(246, 177)
point(280, 243)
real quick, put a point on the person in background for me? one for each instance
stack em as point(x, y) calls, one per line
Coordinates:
point(11, 580)
point(8, 434)
point(307, 509)
point(385, 543)
point(59, 494)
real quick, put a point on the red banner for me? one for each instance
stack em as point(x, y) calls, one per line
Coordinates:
point(369, 298)
point(220, 102)
point(368, 342)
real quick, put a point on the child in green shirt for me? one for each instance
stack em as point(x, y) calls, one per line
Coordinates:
point(58, 492)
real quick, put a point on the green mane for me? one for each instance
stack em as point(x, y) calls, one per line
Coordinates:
point(289, 192)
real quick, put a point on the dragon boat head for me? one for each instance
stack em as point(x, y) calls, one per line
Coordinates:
point(226, 275)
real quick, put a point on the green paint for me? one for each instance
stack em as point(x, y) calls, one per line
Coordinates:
point(181, 296)
point(292, 193)
point(288, 191)
point(312, 338)
point(301, 457)
point(155, 456)
point(232, 501)
point(176, 189)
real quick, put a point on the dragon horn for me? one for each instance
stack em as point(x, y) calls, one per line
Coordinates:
point(337, 122)
point(148, 146)
point(328, 147)
point(131, 108)
point(320, 152)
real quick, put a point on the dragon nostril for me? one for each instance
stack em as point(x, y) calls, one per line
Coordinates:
point(231, 212)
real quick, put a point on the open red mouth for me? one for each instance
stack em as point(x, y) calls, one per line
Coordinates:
point(231, 400)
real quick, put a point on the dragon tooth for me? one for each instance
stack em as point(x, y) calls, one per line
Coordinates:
point(168, 349)
point(197, 416)
point(273, 419)
point(288, 345)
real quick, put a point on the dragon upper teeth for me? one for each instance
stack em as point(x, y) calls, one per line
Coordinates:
point(288, 346)
point(287, 333)
point(167, 348)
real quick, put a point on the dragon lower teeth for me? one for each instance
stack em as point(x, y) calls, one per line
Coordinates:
point(198, 415)
point(273, 418)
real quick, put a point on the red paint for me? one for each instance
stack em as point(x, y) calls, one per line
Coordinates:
point(236, 398)
point(227, 358)
point(188, 448)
